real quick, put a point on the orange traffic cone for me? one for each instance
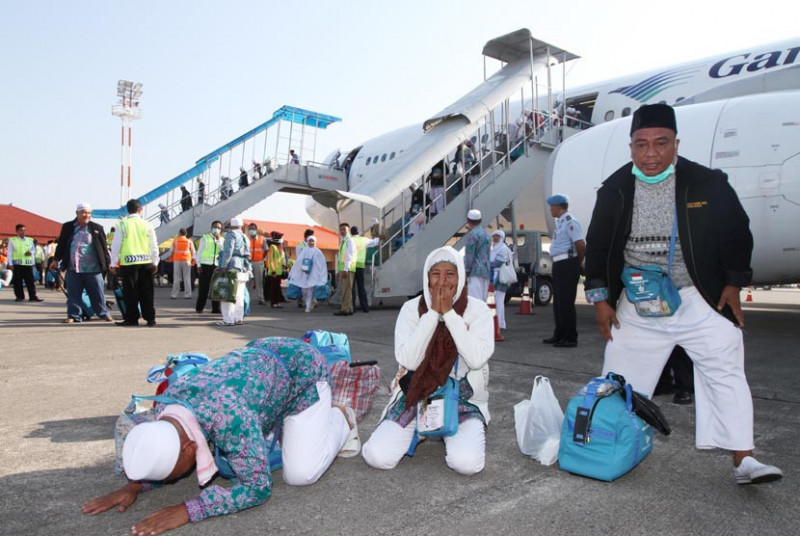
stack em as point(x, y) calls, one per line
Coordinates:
point(749, 294)
point(525, 304)
point(498, 336)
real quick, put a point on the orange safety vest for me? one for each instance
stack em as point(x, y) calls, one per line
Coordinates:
point(183, 252)
point(257, 249)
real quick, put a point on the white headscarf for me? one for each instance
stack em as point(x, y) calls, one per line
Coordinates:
point(500, 248)
point(443, 254)
point(151, 451)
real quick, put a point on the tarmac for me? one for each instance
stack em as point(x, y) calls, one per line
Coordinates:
point(64, 385)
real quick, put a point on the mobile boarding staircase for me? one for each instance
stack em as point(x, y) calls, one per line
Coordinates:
point(289, 128)
point(502, 171)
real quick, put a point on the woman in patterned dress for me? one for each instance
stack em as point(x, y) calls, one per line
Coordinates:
point(234, 403)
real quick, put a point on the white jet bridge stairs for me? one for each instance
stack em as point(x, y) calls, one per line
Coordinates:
point(401, 273)
point(485, 116)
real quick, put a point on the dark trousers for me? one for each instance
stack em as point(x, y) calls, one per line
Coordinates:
point(23, 274)
point(275, 294)
point(678, 374)
point(137, 290)
point(566, 274)
point(205, 276)
point(361, 291)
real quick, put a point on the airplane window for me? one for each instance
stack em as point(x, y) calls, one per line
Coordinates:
point(626, 111)
point(391, 155)
point(375, 159)
point(484, 138)
point(662, 102)
point(369, 159)
point(473, 139)
point(609, 115)
point(383, 158)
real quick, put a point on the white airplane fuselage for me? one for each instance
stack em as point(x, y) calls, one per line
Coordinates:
point(739, 112)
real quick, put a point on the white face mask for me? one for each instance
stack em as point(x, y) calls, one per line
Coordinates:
point(215, 231)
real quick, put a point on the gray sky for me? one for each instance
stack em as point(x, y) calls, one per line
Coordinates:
point(213, 70)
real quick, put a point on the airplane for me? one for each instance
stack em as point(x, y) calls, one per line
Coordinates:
point(739, 112)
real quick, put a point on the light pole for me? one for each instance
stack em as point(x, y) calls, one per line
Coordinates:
point(127, 109)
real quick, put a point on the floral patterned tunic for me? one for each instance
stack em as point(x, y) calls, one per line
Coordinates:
point(238, 400)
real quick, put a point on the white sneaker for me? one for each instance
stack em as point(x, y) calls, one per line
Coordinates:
point(353, 444)
point(751, 471)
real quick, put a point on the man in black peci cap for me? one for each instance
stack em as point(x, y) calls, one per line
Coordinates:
point(667, 252)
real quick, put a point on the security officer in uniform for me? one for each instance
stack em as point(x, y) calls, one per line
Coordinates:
point(135, 249)
point(567, 249)
point(21, 258)
point(206, 258)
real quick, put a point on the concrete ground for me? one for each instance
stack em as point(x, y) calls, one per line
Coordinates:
point(64, 385)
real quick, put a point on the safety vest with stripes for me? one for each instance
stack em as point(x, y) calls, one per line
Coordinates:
point(22, 246)
point(135, 242)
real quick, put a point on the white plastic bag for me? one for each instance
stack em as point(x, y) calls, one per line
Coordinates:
point(538, 423)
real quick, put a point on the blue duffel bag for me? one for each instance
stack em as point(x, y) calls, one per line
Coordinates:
point(602, 437)
point(334, 346)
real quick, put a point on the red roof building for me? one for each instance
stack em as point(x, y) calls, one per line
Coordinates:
point(36, 227)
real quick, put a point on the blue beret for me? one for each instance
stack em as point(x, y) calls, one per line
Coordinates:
point(557, 199)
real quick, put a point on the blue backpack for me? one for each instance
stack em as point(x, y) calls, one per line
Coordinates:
point(334, 346)
point(602, 437)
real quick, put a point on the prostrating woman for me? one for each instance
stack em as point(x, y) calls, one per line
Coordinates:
point(233, 404)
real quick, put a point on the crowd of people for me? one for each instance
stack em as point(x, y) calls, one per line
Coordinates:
point(444, 336)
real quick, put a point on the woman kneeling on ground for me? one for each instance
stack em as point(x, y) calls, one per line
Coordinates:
point(235, 402)
point(440, 334)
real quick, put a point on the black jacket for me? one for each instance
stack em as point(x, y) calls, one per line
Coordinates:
point(713, 227)
point(98, 239)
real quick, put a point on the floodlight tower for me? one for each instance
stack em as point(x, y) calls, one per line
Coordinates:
point(127, 109)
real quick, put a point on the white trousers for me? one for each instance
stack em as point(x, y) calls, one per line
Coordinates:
point(181, 271)
point(257, 283)
point(312, 439)
point(465, 452)
point(234, 312)
point(478, 287)
point(642, 345)
point(500, 304)
point(308, 297)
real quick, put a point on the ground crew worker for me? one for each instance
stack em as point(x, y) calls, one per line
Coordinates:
point(567, 249)
point(39, 262)
point(182, 254)
point(276, 265)
point(362, 243)
point(21, 257)
point(346, 268)
point(207, 258)
point(135, 250)
point(257, 249)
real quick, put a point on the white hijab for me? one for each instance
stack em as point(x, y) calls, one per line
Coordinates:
point(500, 248)
point(319, 270)
point(443, 254)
